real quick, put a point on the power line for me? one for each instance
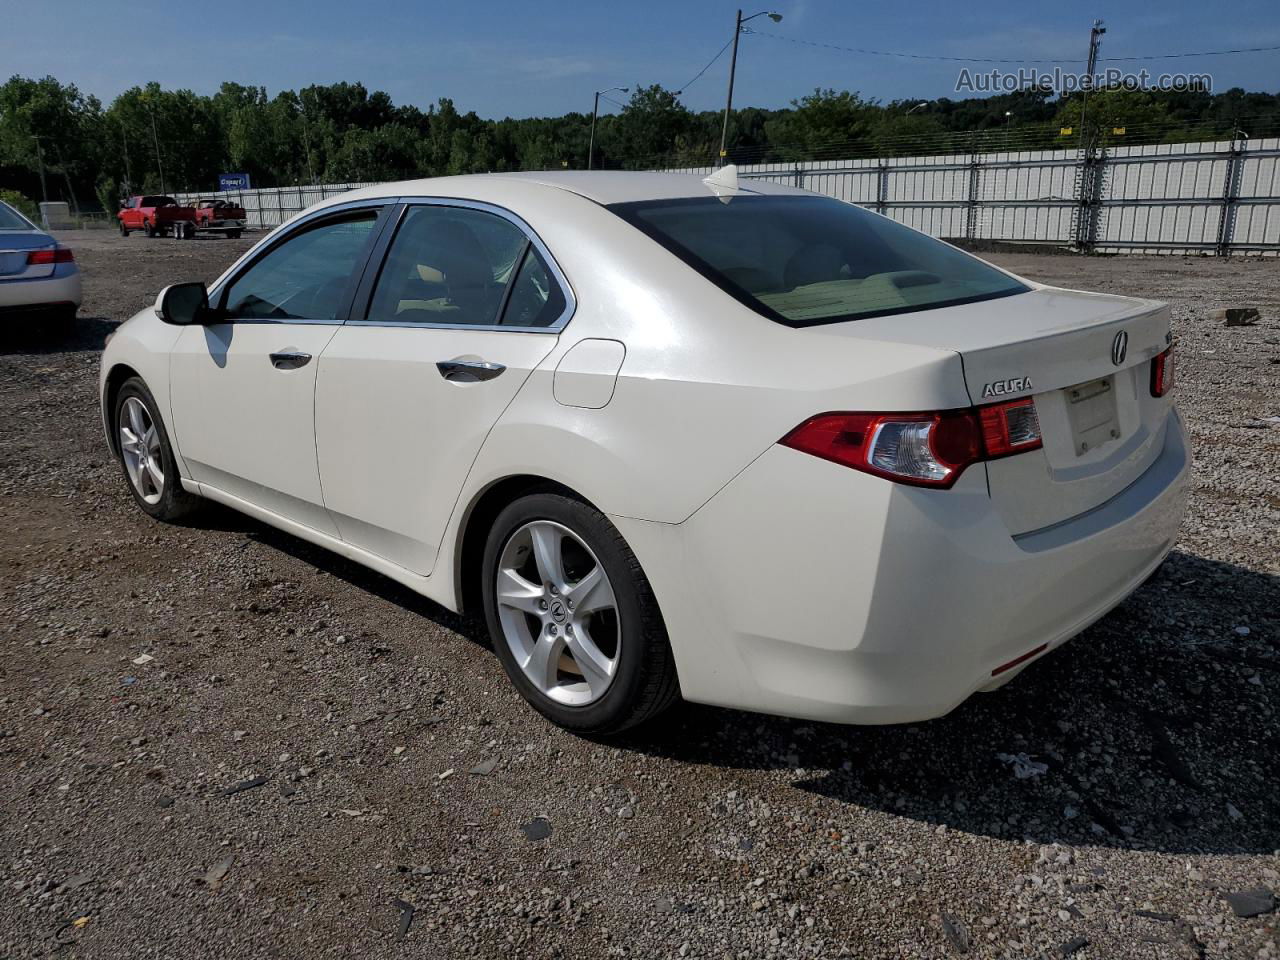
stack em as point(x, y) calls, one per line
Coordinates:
point(698, 76)
point(906, 56)
point(931, 56)
point(1203, 53)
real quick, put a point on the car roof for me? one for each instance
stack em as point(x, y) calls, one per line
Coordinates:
point(600, 186)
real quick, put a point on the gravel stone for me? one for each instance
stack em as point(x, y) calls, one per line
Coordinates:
point(1149, 724)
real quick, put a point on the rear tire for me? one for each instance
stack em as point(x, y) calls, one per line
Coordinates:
point(618, 621)
point(146, 456)
point(233, 234)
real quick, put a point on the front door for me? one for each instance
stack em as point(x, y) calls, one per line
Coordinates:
point(465, 307)
point(243, 388)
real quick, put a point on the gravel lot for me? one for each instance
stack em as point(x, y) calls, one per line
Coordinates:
point(395, 767)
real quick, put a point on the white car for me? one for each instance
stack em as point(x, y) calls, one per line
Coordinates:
point(672, 437)
point(38, 275)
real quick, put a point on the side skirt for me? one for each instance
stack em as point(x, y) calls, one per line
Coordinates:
point(431, 588)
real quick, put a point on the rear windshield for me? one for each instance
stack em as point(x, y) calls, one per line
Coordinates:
point(11, 219)
point(159, 202)
point(809, 260)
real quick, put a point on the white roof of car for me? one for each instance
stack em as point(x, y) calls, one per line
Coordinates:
point(601, 186)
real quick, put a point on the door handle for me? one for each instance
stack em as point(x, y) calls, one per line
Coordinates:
point(289, 359)
point(468, 371)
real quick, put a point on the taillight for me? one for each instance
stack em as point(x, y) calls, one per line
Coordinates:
point(57, 255)
point(924, 449)
point(1009, 428)
point(1162, 373)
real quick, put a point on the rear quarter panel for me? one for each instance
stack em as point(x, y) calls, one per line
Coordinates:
point(706, 386)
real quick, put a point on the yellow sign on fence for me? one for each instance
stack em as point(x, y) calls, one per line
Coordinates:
point(1066, 131)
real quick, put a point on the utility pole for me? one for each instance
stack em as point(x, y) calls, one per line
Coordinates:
point(733, 69)
point(66, 178)
point(1095, 41)
point(728, 104)
point(124, 146)
point(595, 110)
point(306, 137)
point(591, 142)
point(155, 137)
point(44, 190)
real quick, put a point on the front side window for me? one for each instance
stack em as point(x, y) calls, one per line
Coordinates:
point(804, 260)
point(458, 265)
point(304, 277)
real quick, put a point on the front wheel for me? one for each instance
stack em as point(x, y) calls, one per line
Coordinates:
point(573, 618)
point(124, 231)
point(233, 234)
point(146, 455)
point(148, 229)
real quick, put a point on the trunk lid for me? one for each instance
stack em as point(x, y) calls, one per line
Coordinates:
point(1100, 424)
point(14, 247)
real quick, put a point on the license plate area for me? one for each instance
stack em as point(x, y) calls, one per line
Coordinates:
point(1091, 410)
point(12, 261)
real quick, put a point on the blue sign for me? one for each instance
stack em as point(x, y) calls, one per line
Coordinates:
point(233, 181)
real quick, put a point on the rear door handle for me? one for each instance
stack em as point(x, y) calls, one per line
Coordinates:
point(290, 359)
point(468, 371)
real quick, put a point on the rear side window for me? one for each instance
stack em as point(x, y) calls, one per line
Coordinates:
point(810, 260)
point(458, 265)
point(305, 276)
point(11, 219)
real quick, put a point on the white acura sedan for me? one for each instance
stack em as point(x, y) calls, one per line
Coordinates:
point(673, 437)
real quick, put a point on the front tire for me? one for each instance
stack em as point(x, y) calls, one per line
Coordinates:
point(146, 456)
point(124, 231)
point(573, 618)
point(148, 229)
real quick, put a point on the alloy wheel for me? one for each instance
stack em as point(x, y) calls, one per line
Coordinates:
point(140, 447)
point(558, 613)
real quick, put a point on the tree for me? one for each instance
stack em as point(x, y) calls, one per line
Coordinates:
point(822, 124)
point(647, 131)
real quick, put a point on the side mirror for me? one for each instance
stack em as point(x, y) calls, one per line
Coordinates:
point(183, 304)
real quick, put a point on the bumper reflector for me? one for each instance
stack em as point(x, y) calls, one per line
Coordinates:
point(1017, 660)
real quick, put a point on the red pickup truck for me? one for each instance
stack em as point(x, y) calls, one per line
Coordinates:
point(157, 216)
point(220, 215)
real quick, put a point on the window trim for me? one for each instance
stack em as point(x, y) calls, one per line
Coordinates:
point(343, 211)
point(359, 312)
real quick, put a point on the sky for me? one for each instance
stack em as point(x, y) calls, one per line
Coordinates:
point(545, 58)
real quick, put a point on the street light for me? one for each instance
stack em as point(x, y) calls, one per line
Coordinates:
point(733, 67)
point(591, 146)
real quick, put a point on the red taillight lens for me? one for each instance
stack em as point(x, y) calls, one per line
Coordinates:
point(1009, 428)
point(927, 449)
point(1162, 373)
point(57, 255)
point(924, 449)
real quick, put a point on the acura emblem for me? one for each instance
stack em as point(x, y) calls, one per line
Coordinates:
point(1119, 347)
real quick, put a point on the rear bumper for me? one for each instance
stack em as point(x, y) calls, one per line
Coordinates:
point(810, 590)
point(61, 288)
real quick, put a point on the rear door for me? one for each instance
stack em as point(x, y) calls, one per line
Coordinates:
point(1086, 359)
point(465, 305)
point(243, 389)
